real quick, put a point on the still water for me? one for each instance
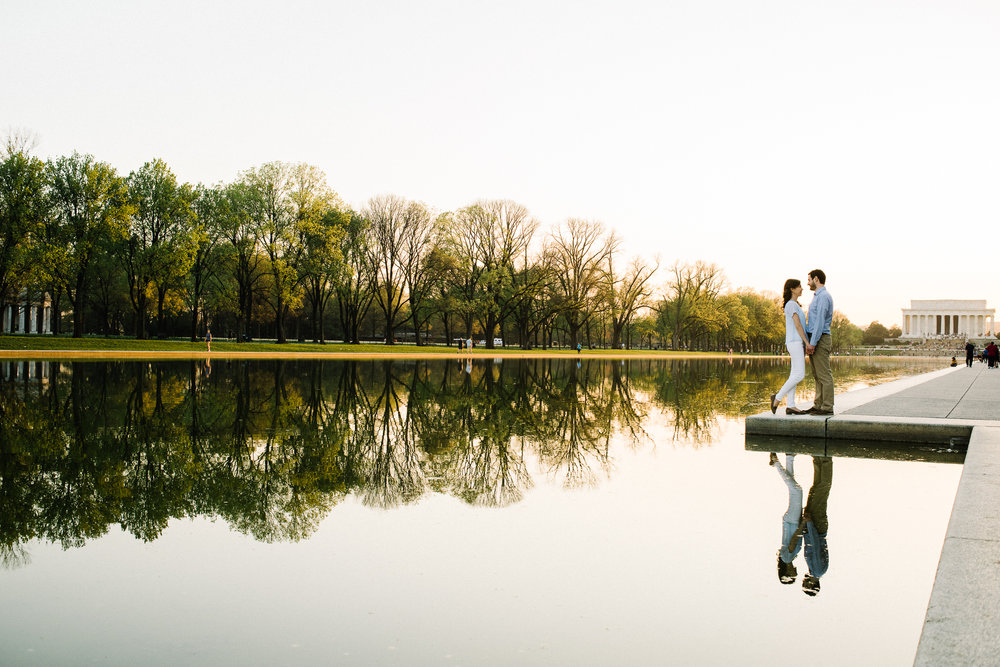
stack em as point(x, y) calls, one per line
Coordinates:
point(549, 512)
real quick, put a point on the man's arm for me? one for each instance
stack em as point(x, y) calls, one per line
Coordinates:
point(822, 311)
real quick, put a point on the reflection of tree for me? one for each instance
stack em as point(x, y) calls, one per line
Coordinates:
point(578, 427)
point(381, 455)
point(271, 447)
point(484, 467)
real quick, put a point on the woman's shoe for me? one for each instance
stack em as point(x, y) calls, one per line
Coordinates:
point(795, 411)
point(774, 406)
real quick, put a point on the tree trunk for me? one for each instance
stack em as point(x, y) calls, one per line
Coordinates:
point(78, 305)
point(280, 321)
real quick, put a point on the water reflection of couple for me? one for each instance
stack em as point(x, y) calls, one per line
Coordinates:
point(809, 524)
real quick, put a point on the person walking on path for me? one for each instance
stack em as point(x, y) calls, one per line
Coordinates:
point(795, 337)
point(970, 353)
point(820, 343)
point(208, 339)
point(992, 353)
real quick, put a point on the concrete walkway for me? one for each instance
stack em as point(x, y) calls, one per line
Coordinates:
point(934, 408)
point(953, 406)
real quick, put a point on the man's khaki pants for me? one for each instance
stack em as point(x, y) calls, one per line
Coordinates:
point(820, 362)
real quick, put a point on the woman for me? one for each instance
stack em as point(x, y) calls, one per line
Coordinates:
point(791, 528)
point(795, 336)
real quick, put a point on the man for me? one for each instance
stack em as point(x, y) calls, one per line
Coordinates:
point(970, 352)
point(820, 343)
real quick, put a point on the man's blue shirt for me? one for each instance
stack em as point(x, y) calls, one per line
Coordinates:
point(820, 315)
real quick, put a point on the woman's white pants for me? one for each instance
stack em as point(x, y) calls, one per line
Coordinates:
point(798, 353)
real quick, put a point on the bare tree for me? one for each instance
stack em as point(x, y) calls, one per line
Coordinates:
point(628, 293)
point(689, 308)
point(390, 231)
point(579, 251)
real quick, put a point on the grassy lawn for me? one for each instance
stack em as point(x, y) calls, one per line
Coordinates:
point(105, 345)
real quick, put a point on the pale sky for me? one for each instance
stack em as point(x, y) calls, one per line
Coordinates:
point(860, 137)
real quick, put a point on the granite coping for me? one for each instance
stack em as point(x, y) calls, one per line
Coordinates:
point(962, 625)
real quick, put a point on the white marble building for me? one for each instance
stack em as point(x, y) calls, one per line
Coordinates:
point(27, 316)
point(948, 318)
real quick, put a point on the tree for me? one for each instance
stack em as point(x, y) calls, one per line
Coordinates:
point(245, 263)
point(579, 250)
point(390, 222)
point(23, 211)
point(627, 294)
point(844, 334)
point(160, 246)
point(875, 334)
point(765, 326)
point(273, 213)
point(206, 260)
point(323, 265)
point(501, 232)
point(422, 264)
point(320, 221)
point(354, 289)
point(92, 206)
point(689, 310)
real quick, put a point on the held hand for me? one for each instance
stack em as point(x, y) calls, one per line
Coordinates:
point(810, 349)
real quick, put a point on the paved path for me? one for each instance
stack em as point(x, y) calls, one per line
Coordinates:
point(941, 407)
point(962, 625)
point(960, 393)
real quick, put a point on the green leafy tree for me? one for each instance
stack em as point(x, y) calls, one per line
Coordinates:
point(320, 225)
point(690, 311)
point(244, 263)
point(23, 212)
point(91, 203)
point(161, 243)
point(844, 334)
point(273, 213)
point(206, 259)
point(874, 334)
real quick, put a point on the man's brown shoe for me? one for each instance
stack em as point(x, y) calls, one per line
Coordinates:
point(817, 411)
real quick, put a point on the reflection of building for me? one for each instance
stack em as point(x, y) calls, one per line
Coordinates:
point(27, 315)
point(924, 319)
point(26, 370)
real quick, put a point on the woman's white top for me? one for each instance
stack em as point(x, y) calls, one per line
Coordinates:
point(791, 333)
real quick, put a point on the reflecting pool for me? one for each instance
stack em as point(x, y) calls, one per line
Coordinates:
point(539, 511)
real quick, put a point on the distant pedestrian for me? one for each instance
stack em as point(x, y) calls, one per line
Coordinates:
point(208, 339)
point(992, 352)
point(578, 348)
point(970, 353)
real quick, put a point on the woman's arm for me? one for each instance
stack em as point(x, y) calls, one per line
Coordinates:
point(798, 326)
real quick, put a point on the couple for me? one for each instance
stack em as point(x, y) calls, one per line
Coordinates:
point(811, 524)
point(810, 337)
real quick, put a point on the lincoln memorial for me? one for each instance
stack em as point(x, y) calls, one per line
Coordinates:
point(966, 318)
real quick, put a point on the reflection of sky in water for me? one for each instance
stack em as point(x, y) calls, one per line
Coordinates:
point(668, 554)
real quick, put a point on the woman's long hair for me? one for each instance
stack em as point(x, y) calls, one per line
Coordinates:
point(790, 284)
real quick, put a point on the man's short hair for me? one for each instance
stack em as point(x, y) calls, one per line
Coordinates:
point(818, 273)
